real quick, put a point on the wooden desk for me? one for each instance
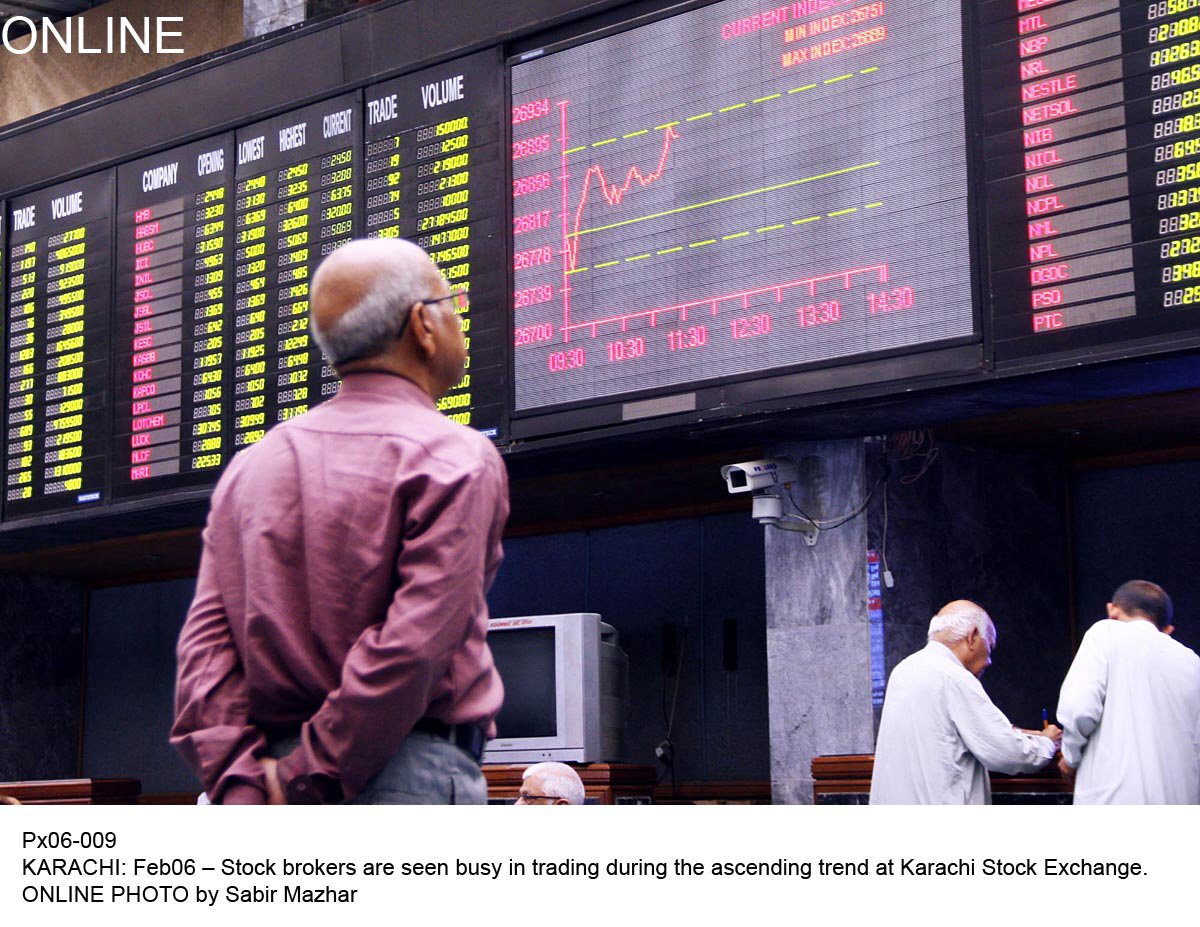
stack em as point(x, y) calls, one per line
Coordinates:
point(846, 780)
point(603, 783)
point(74, 791)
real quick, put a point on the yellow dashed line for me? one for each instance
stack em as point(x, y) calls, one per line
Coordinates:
point(723, 109)
point(730, 237)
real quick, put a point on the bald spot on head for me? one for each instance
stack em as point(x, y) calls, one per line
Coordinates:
point(347, 275)
point(954, 621)
point(958, 605)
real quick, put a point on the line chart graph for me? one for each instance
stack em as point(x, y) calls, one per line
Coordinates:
point(614, 194)
point(692, 201)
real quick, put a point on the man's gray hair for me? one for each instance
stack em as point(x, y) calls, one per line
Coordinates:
point(367, 328)
point(956, 620)
point(558, 781)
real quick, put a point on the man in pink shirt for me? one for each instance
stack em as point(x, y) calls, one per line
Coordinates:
point(336, 647)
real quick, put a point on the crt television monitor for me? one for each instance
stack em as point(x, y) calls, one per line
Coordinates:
point(563, 682)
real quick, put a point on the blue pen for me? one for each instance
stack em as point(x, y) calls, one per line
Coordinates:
point(1045, 718)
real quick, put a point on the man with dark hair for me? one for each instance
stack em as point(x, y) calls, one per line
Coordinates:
point(336, 647)
point(1130, 707)
point(1146, 600)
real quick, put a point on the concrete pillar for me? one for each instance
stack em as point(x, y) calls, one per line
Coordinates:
point(818, 635)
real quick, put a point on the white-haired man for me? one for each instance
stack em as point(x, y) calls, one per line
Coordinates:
point(940, 733)
point(550, 784)
point(339, 624)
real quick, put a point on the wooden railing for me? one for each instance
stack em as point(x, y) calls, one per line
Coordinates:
point(74, 791)
point(851, 775)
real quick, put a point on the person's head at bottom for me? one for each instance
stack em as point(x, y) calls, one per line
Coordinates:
point(550, 784)
point(1141, 600)
point(967, 631)
point(382, 305)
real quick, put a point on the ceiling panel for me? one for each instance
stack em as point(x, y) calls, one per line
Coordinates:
point(35, 9)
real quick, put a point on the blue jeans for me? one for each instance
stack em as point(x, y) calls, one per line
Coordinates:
point(426, 770)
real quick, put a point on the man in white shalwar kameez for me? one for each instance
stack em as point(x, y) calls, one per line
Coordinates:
point(940, 733)
point(1130, 707)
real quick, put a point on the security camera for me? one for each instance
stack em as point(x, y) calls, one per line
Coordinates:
point(756, 475)
point(766, 479)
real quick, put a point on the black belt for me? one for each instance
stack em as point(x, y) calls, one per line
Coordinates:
point(467, 737)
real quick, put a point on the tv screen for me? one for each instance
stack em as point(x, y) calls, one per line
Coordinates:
point(525, 659)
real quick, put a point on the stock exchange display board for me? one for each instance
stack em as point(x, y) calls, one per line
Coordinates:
point(57, 336)
point(297, 199)
point(1092, 124)
point(435, 161)
point(172, 319)
point(735, 190)
point(716, 199)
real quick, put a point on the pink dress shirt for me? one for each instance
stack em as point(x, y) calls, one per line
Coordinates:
point(341, 594)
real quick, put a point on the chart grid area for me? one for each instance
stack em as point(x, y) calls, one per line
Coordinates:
point(726, 192)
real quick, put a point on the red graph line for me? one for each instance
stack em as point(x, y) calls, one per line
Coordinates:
point(613, 193)
point(743, 298)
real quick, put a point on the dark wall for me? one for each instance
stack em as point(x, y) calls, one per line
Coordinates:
point(1139, 523)
point(990, 527)
point(41, 664)
point(691, 583)
point(691, 575)
point(131, 685)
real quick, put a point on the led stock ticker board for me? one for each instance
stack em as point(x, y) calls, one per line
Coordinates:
point(736, 192)
point(57, 338)
point(1092, 146)
point(297, 199)
point(172, 319)
point(728, 192)
point(434, 165)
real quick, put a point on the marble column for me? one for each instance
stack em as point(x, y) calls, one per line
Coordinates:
point(818, 636)
point(41, 677)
